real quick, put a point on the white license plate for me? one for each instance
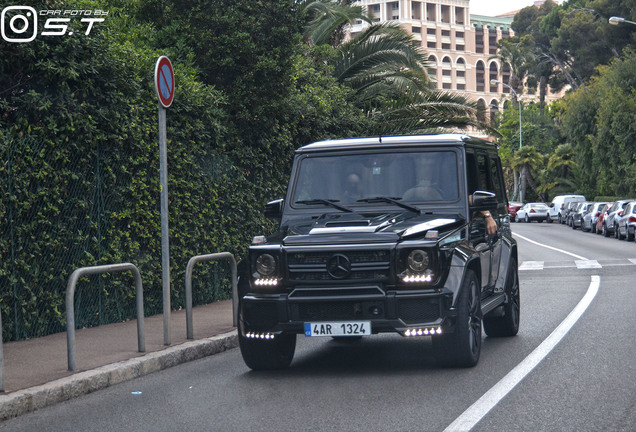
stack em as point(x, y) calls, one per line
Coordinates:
point(338, 328)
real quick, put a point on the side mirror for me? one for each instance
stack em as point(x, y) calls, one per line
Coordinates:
point(274, 209)
point(484, 200)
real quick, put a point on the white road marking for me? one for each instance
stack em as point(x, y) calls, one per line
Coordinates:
point(633, 260)
point(469, 418)
point(550, 247)
point(587, 264)
point(532, 265)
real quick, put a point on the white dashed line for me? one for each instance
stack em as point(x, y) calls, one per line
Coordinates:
point(532, 265)
point(587, 264)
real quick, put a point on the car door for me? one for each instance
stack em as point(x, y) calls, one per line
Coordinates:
point(497, 186)
point(489, 247)
point(478, 233)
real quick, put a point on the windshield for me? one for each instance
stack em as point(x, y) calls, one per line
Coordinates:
point(361, 179)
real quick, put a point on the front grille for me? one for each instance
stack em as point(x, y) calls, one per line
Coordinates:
point(370, 265)
point(418, 310)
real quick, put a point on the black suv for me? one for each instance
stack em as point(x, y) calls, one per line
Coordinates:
point(384, 234)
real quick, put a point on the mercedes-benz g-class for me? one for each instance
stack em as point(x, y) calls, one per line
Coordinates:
point(386, 234)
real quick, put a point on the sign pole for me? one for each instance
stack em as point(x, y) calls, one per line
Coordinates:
point(165, 243)
point(164, 86)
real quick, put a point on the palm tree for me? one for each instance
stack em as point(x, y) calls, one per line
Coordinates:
point(518, 57)
point(388, 73)
point(562, 160)
point(329, 19)
point(529, 161)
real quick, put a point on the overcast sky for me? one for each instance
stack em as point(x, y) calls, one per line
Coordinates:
point(497, 7)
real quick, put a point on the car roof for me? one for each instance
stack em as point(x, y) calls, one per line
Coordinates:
point(396, 141)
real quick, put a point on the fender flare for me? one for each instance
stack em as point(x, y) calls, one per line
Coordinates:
point(462, 260)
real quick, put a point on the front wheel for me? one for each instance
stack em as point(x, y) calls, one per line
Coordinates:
point(605, 231)
point(463, 347)
point(508, 324)
point(527, 219)
point(266, 354)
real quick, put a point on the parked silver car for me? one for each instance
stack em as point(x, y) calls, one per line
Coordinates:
point(577, 215)
point(591, 217)
point(626, 222)
point(609, 224)
point(531, 212)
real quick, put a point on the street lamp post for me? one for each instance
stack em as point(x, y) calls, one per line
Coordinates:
point(619, 20)
point(495, 82)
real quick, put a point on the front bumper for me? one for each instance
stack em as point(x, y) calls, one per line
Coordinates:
point(390, 311)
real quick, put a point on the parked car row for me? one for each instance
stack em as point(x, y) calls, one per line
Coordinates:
point(616, 218)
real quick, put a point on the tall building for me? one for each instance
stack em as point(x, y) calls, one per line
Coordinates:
point(459, 44)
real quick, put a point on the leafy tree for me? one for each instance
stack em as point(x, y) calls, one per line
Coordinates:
point(598, 121)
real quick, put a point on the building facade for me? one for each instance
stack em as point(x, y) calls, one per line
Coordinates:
point(460, 46)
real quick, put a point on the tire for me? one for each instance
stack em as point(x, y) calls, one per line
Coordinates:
point(630, 236)
point(605, 231)
point(540, 220)
point(615, 231)
point(508, 324)
point(593, 228)
point(560, 219)
point(548, 219)
point(266, 354)
point(527, 220)
point(463, 347)
point(619, 236)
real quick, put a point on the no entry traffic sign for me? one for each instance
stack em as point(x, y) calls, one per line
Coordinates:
point(164, 81)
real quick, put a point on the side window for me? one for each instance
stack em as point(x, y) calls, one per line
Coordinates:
point(496, 179)
point(471, 173)
point(482, 173)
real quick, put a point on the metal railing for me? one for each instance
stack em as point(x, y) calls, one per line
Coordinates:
point(188, 287)
point(70, 304)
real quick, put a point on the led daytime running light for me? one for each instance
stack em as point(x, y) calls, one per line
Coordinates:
point(418, 278)
point(264, 336)
point(266, 282)
point(425, 331)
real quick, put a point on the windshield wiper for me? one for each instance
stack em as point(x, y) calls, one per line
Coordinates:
point(328, 202)
point(391, 200)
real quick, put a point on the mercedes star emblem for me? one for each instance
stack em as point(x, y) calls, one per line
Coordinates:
point(339, 266)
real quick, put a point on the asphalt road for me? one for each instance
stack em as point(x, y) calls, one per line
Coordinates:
point(586, 382)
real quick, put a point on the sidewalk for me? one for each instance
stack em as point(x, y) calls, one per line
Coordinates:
point(36, 371)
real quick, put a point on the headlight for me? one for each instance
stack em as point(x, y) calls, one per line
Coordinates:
point(265, 265)
point(418, 260)
point(417, 266)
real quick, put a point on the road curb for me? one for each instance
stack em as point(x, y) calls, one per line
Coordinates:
point(38, 397)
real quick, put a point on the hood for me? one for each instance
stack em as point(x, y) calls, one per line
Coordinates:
point(337, 228)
